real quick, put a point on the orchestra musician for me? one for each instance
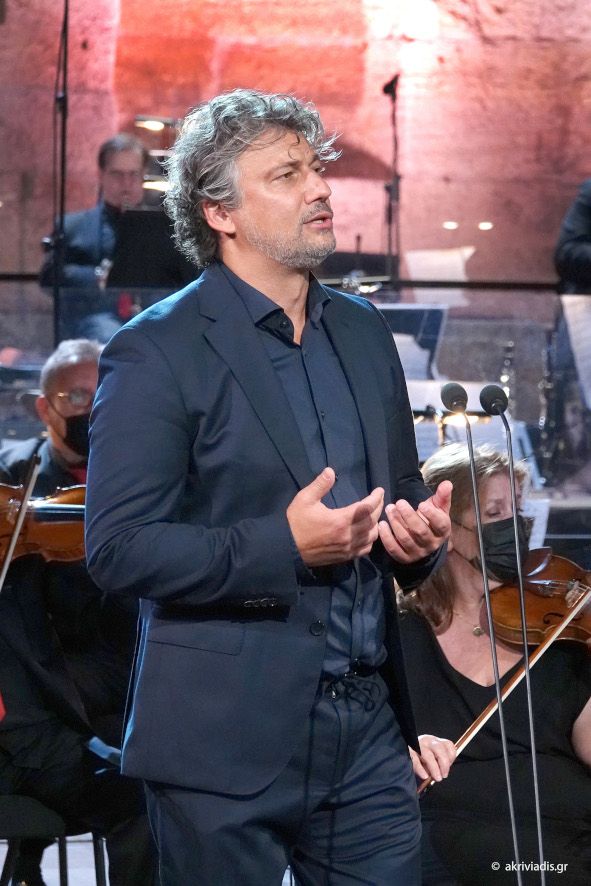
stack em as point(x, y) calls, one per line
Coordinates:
point(93, 254)
point(466, 826)
point(65, 654)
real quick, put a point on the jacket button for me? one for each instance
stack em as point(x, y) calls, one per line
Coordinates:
point(317, 628)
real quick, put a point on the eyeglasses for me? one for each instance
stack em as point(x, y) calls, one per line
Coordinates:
point(79, 398)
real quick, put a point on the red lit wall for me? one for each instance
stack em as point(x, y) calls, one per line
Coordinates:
point(493, 107)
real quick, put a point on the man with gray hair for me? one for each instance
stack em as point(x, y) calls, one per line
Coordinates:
point(266, 422)
point(66, 652)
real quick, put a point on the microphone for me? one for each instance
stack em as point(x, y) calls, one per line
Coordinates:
point(493, 400)
point(454, 397)
point(391, 87)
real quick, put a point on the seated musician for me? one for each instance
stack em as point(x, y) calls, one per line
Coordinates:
point(466, 825)
point(65, 652)
point(92, 241)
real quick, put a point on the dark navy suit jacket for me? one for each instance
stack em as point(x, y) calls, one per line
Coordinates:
point(195, 456)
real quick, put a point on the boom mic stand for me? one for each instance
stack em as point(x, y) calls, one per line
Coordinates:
point(59, 170)
point(494, 402)
point(392, 269)
point(455, 399)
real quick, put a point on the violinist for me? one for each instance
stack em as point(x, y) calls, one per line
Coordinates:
point(65, 652)
point(466, 826)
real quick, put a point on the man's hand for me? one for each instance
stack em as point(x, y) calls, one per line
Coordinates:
point(437, 756)
point(333, 535)
point(410, 535)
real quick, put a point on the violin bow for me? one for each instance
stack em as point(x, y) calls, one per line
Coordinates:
point(34, 469)
point(491, 709)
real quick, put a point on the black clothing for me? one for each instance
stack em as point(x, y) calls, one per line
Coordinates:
point(96, 631)
point(466, 816)
point(65, 652)
point(573, 250)
point(323, 406)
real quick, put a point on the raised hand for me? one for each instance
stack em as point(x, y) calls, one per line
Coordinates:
point(333, 535)
point(410, 535)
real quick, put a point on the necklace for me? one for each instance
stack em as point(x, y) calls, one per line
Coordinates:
point(476, 629)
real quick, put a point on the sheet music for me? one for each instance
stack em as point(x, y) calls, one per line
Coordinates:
point(439, 264)
point(577, 313)
point(538, 508)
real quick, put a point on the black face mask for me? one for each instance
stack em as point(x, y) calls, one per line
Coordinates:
point(499, 547)
point(76, 437)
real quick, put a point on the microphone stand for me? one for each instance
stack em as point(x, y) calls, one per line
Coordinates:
point(392, 268)
point(455, 398)
point(494, 402)
point(59, 171)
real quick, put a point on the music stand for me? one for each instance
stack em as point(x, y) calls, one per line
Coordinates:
point(145, 255)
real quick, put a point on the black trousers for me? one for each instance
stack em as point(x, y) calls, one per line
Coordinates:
point(343, 812)
point(87, 793)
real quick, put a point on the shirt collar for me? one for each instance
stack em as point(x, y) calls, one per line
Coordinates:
point(260, 307)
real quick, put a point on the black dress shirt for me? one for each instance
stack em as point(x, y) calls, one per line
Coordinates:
point(326, 414)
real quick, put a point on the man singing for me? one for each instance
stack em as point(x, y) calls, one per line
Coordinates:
point(246, 435)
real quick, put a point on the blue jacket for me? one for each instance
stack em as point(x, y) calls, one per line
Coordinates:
point(195, 456)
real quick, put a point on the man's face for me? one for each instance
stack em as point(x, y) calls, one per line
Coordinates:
point(71, 393)
point(121, 179)
point(285, 212)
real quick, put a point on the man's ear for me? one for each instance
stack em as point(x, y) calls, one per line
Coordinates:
point(42, 408)
point(218, 217)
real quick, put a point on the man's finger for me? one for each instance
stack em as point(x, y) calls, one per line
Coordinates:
point(441, 498)
point(320, 485)
point(369, 508)
point(391, 544)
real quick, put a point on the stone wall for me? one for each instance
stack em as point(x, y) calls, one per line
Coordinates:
point(493, 107)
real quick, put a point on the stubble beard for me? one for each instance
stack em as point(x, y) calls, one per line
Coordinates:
point(299, 254)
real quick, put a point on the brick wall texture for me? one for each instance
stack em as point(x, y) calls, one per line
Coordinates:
point(493, 107)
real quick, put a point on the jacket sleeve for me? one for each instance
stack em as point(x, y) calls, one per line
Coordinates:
point(73, 275)
point(137, 538)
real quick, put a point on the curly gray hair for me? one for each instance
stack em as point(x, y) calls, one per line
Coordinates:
point(202, 165)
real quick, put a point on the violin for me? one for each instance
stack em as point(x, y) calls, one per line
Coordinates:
point(557, 607)
point(53, 527)
point(549, 582)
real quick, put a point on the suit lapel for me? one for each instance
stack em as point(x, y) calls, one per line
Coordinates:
point(253, 370)
point(351, 349)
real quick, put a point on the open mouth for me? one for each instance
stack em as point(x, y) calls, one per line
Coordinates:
point(321, 220)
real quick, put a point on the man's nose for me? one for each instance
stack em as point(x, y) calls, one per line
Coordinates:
point(317, 188)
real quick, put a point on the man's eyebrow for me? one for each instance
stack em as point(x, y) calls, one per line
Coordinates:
point(294, 162)
point(284, 164)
